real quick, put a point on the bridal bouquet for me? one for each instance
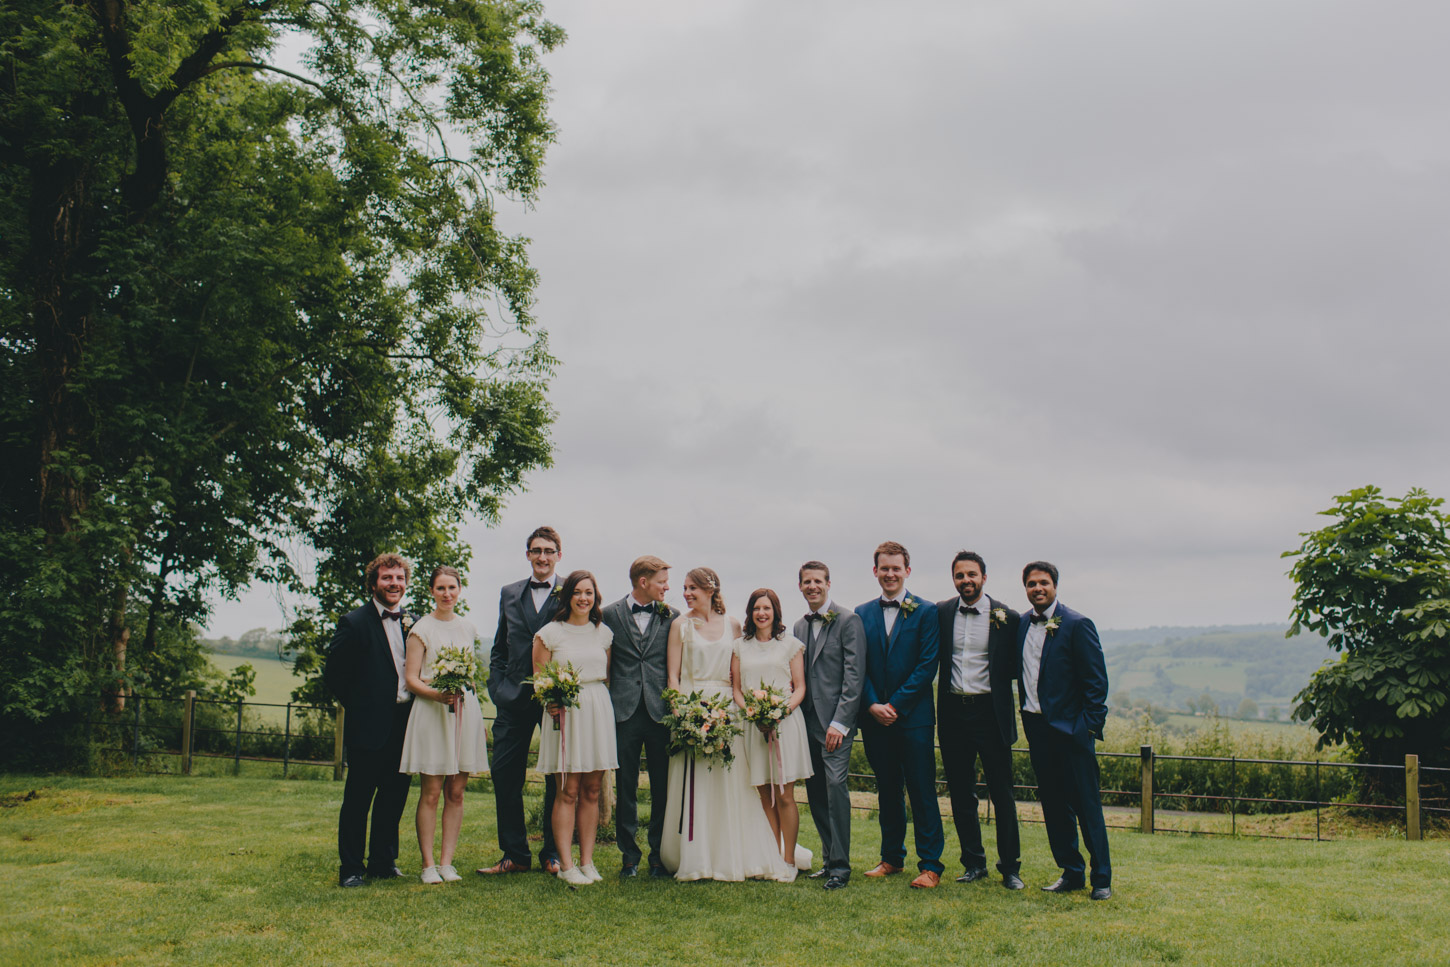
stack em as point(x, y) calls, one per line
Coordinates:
point(556, 685)
point(765, 707)
point(701, 725)
point(455, 669)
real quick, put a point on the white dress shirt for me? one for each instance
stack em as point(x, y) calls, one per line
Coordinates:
point(969, 649)
point(394, 631)
point(1032, 657)
point(889, 615)
point(540, 595)
point(641, 618)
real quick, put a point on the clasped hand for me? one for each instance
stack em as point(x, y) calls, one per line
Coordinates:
point(883, 713)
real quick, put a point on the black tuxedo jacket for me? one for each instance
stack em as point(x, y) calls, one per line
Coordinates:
point(361, 673)
point(512, 658)
point(1002, 652)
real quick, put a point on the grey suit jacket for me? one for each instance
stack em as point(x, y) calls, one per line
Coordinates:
point(637, 662)
point(512, 658)
point(835, 666)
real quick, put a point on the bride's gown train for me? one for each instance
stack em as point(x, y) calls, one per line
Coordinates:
point(714, 826)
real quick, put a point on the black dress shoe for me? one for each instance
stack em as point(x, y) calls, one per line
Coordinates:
point(350, 881)
point(1063, 885)
point(1102, 893)
point(1012, 881)
point(391, 874)
point(660, 873)
point(972, 876)
point(818, 874)
point(834, 882)
point(628, 870)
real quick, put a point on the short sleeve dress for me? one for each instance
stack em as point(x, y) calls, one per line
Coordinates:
point(584, 742)
point(439, 742)
point(781, 763)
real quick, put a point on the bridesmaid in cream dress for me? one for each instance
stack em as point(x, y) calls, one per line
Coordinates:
point(580, 746)
point(445, 740)
point(771, 656)
point(713, 827)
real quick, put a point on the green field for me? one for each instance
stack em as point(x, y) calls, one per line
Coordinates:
point(243, 871)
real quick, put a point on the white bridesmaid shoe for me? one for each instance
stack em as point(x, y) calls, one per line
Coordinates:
point(449, 873)
point(589, 871)
point(431, 875)
point(574, 877)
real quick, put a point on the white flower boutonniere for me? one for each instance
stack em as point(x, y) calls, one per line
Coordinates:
point(1052, 624)
point(407, 622)
point(831, 617)
point(999, 617)
point(908, 606)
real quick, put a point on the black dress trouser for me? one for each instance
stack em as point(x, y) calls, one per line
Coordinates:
point(374, 785)
point(968, 730)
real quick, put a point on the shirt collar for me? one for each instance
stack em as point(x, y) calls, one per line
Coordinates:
point(382, 608)
point(635, 600)
point(898, 597)
point(1051, 610)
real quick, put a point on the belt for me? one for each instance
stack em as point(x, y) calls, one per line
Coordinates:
point(969, 699)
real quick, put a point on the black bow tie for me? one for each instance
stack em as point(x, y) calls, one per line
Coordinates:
point(890, 604)
point(536, 585)
point(641, 609)
point(393, 615)
point(815, 616)
point(968, 609)
point(1038, 619)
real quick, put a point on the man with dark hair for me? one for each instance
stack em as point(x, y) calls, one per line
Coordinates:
point(364, 669)
point(523, 608)
point(975, 718)
point(641, 625)
point(835, 659)
point(1064, 685)
point(901, 660)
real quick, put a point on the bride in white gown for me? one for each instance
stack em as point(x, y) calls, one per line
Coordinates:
point(715, 830)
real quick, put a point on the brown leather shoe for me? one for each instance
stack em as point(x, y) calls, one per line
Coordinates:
point(552, 867)
point(926, 880)
point(504, 865)
point(883, 869)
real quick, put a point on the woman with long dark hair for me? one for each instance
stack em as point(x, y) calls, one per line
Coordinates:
point(580, 746)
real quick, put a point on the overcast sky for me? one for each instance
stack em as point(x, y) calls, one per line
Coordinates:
point(1133, 287)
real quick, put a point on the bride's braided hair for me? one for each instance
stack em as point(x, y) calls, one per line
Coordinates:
point(707, 580)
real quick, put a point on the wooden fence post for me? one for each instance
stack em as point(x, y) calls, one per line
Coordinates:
point(337, 746)
point(1145, 816)
point(1412, 797)
point(187, 709)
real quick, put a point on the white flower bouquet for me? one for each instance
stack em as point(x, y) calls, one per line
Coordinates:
point(556, 685)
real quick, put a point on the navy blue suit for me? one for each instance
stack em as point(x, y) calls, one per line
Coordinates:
point(899, 672)
point(1072, 693)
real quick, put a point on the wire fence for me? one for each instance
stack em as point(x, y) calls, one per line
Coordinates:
point(170, 735)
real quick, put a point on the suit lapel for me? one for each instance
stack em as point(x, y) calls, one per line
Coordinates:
point(630, 628)
point(380, 636)
point(875, 626)
point(818, 639)
point(901, 617)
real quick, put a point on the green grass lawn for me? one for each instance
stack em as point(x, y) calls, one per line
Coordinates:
point(197, 870)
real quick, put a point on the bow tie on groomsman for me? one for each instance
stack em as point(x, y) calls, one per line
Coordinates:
point(968, 609)
point(641, 609)
point(1037, 619)
point(815, 616)
point(539, 585)
point(889, 603)
point(393, 615)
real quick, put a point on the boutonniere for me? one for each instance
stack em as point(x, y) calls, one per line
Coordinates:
point(662, 609)
point(999, 617)
point(407, 623)
point(908, 606)
point(1052, 624)
point(831, 616)
point(554, 591)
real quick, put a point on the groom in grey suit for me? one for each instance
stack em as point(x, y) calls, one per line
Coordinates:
point(641, 624)
point(835, 664)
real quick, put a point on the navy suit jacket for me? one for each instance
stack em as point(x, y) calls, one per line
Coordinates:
point(899, 671)
point(1072, 679)
point(1001, 659)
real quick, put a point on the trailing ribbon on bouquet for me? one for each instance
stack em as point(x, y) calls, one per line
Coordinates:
point(687, 796)
point(773, 748)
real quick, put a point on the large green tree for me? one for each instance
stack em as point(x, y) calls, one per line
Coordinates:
point(258, 317)
point(1375, 582)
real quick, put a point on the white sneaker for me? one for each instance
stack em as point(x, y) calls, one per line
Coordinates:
point(431, 875)
point(591, 872)
point(449, 873)
point(574, 877)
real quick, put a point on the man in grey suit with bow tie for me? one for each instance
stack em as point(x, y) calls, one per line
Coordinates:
point(835, 662)
point(641, 624)
point(523, 608)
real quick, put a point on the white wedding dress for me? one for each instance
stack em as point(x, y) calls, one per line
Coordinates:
point(714, 826)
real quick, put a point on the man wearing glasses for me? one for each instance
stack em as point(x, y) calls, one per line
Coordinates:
point(523, 608)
